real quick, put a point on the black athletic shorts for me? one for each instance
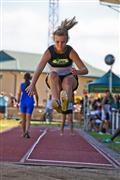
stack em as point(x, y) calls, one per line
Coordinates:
point(61, 78)
point(2, 109)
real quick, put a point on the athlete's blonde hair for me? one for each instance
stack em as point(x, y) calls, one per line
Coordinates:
point(62, 30)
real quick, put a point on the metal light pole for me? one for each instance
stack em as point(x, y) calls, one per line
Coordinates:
point(53, 18)
point(109, 60)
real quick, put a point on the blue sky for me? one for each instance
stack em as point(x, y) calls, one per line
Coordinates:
point(24, 27)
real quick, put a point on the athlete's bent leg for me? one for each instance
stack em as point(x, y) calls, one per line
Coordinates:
point(69, 84)
point(70, 119)
point(63, 123)
point(55, 85)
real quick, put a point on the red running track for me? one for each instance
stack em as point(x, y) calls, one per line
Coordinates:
point(47, 147)
point(13, 146)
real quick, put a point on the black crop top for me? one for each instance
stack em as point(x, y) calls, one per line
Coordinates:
point(60, 60)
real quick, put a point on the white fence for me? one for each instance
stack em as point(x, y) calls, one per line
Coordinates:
point(115, 120)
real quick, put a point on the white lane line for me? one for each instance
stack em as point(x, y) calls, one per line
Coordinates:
point(26, 156)
point(106, 156)
point(110, 159)
point(68, 162)
point(72, 162)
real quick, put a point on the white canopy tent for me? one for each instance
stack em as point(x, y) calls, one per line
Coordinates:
point(111, 1)
point(113, 4)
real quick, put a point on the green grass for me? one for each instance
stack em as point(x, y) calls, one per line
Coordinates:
point(113, 145)
point(99, 136)
point(53, 124)
point(45, 124)
point(7, 124)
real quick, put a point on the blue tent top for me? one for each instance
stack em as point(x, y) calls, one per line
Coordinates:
point(5, 57)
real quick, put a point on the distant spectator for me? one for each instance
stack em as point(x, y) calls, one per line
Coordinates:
point(3, 105)
point(12, 100)
point(49, 109)
point(117, 97)
point(107, 102)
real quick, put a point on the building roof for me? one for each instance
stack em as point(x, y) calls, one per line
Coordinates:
point(23, 62)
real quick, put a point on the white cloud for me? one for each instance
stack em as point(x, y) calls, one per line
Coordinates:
point(24, 29)
point(97, 27)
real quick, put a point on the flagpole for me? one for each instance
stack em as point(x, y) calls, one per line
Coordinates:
point(109, 60)
point(110, 80)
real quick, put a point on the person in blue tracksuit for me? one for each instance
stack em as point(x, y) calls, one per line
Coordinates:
point(26, 104)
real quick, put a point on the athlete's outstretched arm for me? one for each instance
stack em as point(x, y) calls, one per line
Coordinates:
point(36, 97)
point(81, 66)
point(31, 88)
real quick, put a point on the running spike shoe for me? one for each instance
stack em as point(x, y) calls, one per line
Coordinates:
point(108, 140)
point(64, 100)
point(56, 105)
